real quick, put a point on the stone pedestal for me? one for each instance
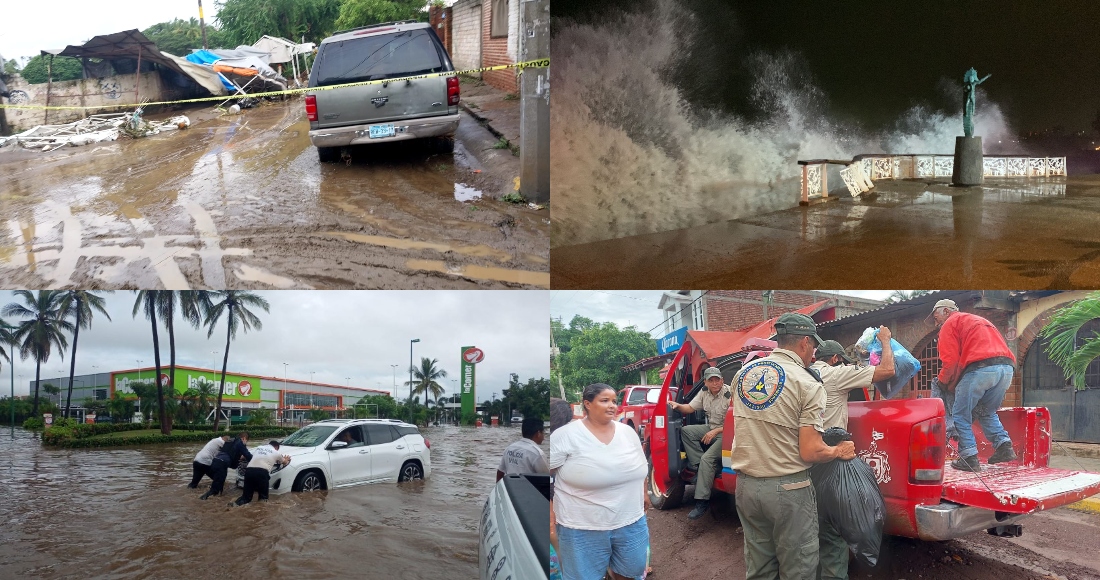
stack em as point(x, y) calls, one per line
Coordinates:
point(969, 167)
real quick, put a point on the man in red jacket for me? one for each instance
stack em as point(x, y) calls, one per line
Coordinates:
point(977, 366)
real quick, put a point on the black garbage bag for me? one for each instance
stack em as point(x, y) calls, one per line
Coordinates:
point(848, 497)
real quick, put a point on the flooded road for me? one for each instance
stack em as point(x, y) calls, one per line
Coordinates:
point(1030, 233)
point(243, 202)
point(127, 513)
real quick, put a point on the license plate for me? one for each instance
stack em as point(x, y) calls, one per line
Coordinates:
point(379, 131)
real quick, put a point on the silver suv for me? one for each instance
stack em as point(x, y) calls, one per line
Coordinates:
point(347, 452)
point(387, 111)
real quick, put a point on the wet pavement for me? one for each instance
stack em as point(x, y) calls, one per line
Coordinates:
point(1028, 234)
point(127, 513)
point(242, 202)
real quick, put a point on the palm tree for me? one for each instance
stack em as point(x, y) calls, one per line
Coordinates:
point(1070, 351)
point(79, 304)
point(5, 337)
point(235, 305)
point(44, 328)
point(903, 295)
point(149, 302)
point(424, 379)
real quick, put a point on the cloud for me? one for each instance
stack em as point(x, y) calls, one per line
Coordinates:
point(335, 335)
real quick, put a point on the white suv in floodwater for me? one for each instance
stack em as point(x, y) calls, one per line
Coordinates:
point(346, 452)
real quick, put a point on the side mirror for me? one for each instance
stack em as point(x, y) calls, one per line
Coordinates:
point(652, 396)
point(338, 444)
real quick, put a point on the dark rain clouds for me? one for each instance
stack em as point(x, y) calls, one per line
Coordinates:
point(338, 334)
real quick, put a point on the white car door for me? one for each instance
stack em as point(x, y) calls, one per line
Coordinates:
point(352, 464)
point(388, 451)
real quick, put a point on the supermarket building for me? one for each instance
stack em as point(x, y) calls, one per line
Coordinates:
point(292, 399)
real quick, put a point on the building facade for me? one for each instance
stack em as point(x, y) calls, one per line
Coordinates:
point(730, 310)
point(292, 399)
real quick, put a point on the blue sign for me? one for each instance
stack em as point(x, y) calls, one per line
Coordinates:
point(672, 341)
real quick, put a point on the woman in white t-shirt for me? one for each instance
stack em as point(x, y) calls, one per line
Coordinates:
point(599, 492)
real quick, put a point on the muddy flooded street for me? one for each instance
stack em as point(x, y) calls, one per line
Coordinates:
point(243, 202)
point(127, 513)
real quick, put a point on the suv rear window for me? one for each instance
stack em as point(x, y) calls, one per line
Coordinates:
point(378, 57)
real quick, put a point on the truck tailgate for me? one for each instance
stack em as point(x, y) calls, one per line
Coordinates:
point(1018, 489)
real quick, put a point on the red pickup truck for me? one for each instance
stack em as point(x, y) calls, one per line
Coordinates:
point(636, 404)
point(902, 440)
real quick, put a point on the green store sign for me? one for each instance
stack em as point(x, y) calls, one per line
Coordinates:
point(237, 388)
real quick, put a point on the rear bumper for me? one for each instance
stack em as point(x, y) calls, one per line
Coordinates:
point(404, 130)
point(947, 520)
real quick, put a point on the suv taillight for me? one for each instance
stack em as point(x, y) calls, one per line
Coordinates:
point(311, 107)
point(427, 443)
point(926, 451)
point(452, 91)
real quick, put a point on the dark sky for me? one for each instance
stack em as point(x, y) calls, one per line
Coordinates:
point(876, 59)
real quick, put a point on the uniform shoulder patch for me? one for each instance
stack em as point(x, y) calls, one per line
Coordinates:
point(760, 384)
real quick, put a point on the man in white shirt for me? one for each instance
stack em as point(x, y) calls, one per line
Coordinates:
point(201, 465)
point(257, 476)
point(525, 455)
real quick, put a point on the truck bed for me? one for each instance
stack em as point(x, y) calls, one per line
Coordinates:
point(1016, 488)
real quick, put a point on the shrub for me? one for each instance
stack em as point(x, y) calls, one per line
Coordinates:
point(34, 424)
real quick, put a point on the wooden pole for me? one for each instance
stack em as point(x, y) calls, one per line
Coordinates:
point(202, 24)
point(137, 79)
point(49, 85)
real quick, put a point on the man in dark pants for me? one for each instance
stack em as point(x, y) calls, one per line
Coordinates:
point(229, 456)
point(257, 476)
point(201, 465)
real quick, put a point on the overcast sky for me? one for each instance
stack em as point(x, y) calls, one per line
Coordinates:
point(29, 27)
point(636, 308)
point(337, 334)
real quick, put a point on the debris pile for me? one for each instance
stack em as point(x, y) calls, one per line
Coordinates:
point(93, 129)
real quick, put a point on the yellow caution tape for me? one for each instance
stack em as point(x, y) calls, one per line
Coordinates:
point(541, 63)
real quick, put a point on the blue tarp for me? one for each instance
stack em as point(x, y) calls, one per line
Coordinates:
point(205, 57)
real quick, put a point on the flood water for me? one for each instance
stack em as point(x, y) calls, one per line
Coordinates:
point(127, 513)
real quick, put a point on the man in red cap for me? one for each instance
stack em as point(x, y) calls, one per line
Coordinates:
point(978, 367)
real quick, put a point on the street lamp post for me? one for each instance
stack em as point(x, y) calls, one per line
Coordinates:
point(12, 402)
point(311, 373)
point(394, 380)
point(139, 380)
point(411, 376)
point(284, 390)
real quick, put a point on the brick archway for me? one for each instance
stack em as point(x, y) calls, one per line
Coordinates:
point(1015, 395)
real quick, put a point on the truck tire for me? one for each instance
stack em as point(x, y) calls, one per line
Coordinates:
point(328, 154)
point(663, 499)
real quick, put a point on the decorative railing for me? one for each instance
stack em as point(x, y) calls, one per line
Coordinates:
point(862, 171)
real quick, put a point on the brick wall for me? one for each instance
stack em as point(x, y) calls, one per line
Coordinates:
point(729, 310)
point(440, 20)
point(494, 51)
point(466, 34)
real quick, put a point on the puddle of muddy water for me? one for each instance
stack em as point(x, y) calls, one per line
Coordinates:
point(476, 251)
point(541, 279)
point(127, 513)
point(464, 192)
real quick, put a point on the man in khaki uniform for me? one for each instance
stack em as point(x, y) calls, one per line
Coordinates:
point(713, 400)
point(840, 376)
point(779, 409)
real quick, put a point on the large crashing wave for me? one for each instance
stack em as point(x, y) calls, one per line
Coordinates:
point(630, 155)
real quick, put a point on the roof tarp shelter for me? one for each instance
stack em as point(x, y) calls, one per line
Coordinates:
point(133, 44)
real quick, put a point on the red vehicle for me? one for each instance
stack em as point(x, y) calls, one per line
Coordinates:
point(902, 440)
point(634, 408)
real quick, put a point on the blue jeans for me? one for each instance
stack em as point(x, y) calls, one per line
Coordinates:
point(977, 397)
point(587, 554)
point(948, 407)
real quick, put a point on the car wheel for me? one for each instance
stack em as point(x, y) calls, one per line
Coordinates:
point(445, 144)
point(328, 154)
point(309, 481)
point(410, 471)
point(663, 494)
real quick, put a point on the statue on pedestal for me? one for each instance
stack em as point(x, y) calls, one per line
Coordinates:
point(970, 80)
